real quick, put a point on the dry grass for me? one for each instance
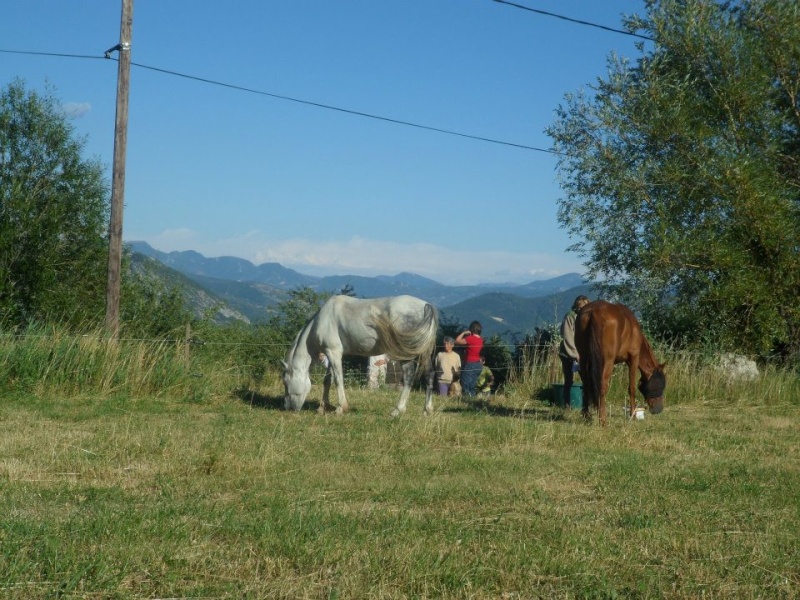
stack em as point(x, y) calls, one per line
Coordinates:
point(233, 498)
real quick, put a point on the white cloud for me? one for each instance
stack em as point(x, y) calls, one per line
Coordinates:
point(361, 256)
point(76, 110)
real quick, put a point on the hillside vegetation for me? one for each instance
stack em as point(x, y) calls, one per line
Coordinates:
point(254, 293)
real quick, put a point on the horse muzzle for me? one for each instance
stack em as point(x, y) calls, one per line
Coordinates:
point(656, 405)
point(293, 403)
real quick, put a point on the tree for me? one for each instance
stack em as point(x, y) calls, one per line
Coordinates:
point(152, 307)
point(682, 173)
point(53, 215)
point(293, 314)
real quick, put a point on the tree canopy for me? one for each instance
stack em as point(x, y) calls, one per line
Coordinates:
point(53, 215)
point(682, 170)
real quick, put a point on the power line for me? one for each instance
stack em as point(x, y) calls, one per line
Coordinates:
point(57, 54)
point(343, 110)
point(350, 111)
point(298, 101)
point(571, 20)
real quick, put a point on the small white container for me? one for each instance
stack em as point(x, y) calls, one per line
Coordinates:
point(638, 413)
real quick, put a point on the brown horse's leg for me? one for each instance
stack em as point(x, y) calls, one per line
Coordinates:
point(633, 368)
point(608, 370)
point(585, 374)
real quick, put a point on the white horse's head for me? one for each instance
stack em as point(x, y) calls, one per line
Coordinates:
point(297, 385)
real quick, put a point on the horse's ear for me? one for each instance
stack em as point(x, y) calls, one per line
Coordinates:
point(285, 366)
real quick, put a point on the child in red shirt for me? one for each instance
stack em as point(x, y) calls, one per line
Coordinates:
point(471, 338)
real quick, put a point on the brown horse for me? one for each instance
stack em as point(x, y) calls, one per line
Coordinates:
point(606, 334)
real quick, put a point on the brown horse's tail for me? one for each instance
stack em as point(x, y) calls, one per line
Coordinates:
point(594, 363)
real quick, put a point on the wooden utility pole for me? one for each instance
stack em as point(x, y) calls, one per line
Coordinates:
point(118, 177)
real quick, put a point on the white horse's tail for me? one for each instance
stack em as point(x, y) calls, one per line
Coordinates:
point(417, 344)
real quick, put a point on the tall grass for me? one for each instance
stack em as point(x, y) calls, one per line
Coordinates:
point(49, 361)
point(46, 361)
point(691, 376)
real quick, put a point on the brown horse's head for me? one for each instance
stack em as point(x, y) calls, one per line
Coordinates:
point(652, 389)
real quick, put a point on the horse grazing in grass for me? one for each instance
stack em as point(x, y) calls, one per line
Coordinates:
point(606, 334)
point(402, 327)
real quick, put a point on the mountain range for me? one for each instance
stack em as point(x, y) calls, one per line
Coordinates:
point(241, 290)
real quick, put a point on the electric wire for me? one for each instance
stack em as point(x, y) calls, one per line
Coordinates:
point(296, 100)
point(55, 54)
point(338, 108)
point(342, 110)
point(572, 20)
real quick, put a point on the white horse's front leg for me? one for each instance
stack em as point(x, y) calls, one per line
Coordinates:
point(339, 379)
point(409, 370)
point(326, 393)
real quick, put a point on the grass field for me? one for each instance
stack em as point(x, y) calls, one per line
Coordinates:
point(231, 497)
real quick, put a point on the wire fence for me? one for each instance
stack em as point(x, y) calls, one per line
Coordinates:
point(509, 362)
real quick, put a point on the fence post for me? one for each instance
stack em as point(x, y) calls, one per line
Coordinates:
point(555, 364)
point(186, 344)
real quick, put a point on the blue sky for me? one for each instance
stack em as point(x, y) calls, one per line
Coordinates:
point(232, 173)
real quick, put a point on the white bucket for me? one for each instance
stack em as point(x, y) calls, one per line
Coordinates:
point(638, 413)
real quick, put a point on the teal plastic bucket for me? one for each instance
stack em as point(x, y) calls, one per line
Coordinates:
point(575, 395)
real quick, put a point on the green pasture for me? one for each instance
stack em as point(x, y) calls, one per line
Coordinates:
point(225, 495)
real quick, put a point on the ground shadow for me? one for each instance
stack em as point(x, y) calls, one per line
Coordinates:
point(540, 409)
point(256, 400)
point(544, 395)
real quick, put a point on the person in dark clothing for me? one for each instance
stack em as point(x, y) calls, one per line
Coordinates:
point(566, 350)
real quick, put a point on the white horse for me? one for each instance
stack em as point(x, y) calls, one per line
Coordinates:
point(402, 327)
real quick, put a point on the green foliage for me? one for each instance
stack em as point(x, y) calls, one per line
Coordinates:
point(53, 224)
point(53, 215)
point(150, 309)
point(53, 361)
point(681, 173)
point(449, 326)
point(292, 315)
point(254, 351)
point(251, 352)
point(498, 358)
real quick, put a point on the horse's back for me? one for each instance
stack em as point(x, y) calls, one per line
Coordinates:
point(398, 309)
point(377, 325)
point(613, 328)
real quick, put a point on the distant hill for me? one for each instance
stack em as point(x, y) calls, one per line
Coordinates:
point(257, 301)
point(198, 298)
point(511, 316)
point(193, 263)
point(251, 293)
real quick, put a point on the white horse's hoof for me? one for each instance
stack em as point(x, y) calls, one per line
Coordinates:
point(396, 413)
point(339, 410)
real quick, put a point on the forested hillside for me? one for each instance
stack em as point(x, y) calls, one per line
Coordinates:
point(510, 313)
